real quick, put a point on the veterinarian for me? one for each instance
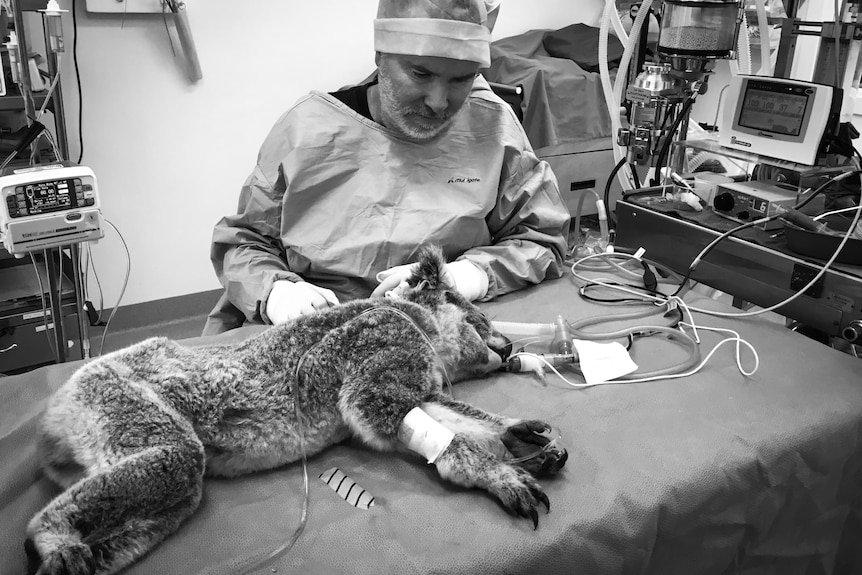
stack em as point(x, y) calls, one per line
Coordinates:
point(348, 185)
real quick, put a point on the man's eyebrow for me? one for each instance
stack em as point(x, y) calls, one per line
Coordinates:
point(465, 77)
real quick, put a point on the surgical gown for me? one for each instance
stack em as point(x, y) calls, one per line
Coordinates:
point(336, 198)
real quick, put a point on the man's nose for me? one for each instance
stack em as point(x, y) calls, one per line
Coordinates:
point(437, 98)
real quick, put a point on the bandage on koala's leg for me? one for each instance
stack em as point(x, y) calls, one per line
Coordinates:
point(424, 435)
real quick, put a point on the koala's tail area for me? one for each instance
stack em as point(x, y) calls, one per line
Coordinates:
point(125, 497)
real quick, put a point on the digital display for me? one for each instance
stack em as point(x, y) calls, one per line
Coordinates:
point(46, 197)
point(775, 108)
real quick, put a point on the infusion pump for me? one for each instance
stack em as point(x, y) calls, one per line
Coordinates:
point(48, 206)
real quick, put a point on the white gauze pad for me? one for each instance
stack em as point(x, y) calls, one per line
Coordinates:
point(424, 435)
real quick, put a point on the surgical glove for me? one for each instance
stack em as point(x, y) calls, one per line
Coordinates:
point(288, 300)
point(462, 276)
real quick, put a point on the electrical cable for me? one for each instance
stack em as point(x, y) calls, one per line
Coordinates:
point(122, 290)
point(44, 304)
point(78, 81)
point(648, 378)
point(607, 194)
point(671, 302)
point(635, 176)
point(773, 307)
point(92, 265)
point(807, 286)
point(757, 222)
point(834, 212)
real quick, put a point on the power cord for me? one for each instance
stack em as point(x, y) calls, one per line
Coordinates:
point(820, 189)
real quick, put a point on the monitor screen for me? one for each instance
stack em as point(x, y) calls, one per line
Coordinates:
point(774, 107)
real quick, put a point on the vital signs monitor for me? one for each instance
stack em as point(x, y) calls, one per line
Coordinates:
point(778, 118)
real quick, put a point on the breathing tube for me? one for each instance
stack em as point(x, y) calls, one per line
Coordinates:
point(558, 338)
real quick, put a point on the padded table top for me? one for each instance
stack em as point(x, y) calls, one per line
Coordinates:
point(713, 473)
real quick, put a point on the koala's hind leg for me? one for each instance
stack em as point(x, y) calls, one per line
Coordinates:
point(142, 476)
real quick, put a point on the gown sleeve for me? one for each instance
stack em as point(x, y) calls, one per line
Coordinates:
point(529, 225)
point(246, 249)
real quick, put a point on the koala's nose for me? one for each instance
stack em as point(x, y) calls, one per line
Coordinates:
point(501, 345)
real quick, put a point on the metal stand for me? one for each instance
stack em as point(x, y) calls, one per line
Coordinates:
point(54, 280)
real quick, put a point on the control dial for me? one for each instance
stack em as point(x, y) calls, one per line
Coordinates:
point(723, 202)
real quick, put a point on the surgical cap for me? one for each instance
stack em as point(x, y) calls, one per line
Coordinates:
point(443, 28)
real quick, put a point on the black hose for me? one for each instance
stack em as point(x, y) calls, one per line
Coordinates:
point(607, 196)
point(656, 181)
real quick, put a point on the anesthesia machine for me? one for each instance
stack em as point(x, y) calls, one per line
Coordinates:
point(778, 171)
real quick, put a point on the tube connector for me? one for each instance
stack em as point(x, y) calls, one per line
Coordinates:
point(562, 342)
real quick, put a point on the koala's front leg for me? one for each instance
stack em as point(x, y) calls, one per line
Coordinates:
point(465, 462)
point(525, 442)
point(462, 456)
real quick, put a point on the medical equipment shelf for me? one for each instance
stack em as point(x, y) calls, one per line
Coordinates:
point(713, 147)
point(23, 325)
point(16, 102)
point(757, 268)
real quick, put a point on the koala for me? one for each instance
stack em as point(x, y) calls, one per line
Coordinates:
point(131, 435)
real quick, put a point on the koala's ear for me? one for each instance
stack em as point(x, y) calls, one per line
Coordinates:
point(428, 274)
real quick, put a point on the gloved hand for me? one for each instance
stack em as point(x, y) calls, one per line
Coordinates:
point(288, 300)
point(465, 277)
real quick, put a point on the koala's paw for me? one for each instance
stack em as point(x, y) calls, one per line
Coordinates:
point(541, 454)
point(66, 560)
point(519, 492)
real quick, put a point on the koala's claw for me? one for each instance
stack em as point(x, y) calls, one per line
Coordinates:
point(535, 517)
point(521, 494)
point(544, 499)
point(68, 560)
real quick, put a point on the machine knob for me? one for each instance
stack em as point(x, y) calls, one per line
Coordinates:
point(723, 202)
point(624, 137)
point(853, 332)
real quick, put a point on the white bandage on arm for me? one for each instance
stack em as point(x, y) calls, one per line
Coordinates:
point(424, 435)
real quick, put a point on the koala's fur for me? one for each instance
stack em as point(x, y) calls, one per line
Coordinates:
point(132, 434)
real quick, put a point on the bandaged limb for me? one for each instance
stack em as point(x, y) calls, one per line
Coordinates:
point(424, 435)
point(465, 458)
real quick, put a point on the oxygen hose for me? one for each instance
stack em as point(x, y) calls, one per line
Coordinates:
point(576, 329)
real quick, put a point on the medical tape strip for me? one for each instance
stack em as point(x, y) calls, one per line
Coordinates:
point(434, 37)
point(424, 435)
point(347, 489)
